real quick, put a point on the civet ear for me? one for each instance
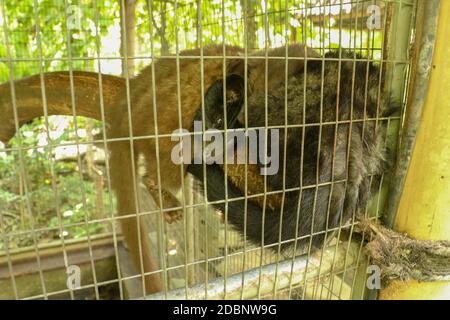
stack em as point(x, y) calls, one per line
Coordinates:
point(214, 103)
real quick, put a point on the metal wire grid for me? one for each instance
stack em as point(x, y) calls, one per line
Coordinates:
point(112, 218)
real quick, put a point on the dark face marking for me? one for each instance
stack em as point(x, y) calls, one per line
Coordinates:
point(315, 154)
point(214, 103)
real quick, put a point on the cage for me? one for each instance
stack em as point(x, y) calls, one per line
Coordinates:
point(60, 226)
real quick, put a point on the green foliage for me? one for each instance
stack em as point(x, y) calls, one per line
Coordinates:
point(54, 31)
point(32, 198)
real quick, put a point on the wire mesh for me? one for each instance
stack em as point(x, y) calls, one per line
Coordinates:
point(51, 206)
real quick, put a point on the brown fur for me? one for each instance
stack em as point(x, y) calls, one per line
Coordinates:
point(167, 102)
point(142, 118)
point(123, 155)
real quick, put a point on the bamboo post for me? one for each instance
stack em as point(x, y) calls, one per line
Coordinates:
point(424, 208)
